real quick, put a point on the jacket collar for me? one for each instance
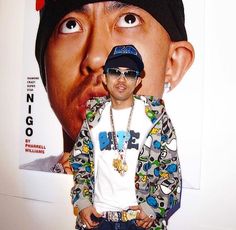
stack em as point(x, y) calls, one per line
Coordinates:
point(154, 108)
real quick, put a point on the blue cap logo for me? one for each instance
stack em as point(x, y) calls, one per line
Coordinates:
point(125, 50)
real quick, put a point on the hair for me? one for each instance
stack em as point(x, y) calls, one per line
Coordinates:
point(169, 13)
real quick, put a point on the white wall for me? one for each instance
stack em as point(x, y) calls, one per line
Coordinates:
point(212, 207)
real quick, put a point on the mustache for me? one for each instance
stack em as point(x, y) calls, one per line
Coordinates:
point(120, 84)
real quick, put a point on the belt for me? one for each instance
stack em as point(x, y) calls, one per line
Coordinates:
point(123, 216)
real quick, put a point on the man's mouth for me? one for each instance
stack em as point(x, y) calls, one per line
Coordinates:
point(121, 87)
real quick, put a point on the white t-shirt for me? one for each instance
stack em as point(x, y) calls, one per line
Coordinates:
point(115, 192)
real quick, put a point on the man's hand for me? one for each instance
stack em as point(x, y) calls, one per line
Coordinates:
point(64, 161)
point(85, 215)
point(142, 219)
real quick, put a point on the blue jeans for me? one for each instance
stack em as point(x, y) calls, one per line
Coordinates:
point(108, 225)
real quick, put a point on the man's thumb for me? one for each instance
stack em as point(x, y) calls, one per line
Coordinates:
point(95, 213)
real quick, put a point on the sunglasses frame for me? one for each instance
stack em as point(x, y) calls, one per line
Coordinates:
point(122, 73)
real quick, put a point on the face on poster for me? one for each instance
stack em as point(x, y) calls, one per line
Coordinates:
point(54, 105)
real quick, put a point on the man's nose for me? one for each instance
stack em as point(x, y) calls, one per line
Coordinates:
point(97, 49)
point(122, 77)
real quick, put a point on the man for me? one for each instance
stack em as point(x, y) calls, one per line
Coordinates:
point(125, 163)
point(75, 37)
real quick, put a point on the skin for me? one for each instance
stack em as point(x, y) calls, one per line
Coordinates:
point(85, 215)
point(121, 93)
point(142, 219)
point(75, 56)
point(120, 90)
point(79, 46)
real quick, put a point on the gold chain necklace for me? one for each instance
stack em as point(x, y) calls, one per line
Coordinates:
point(119, 163)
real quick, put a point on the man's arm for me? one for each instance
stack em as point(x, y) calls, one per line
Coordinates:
point(82, 168)
point(163, 175)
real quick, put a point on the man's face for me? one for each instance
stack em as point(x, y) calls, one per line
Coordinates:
point(78, 49)
point(121, 88)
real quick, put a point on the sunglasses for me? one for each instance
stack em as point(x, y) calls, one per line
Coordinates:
point(117, 73)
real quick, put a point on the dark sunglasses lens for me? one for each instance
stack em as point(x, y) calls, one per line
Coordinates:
point(113, 72)
point(131, 74)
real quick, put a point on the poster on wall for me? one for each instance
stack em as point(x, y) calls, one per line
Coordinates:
point(53, 106)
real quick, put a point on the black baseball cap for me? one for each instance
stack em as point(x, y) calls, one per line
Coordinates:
point(169, 13)
point(124, 56)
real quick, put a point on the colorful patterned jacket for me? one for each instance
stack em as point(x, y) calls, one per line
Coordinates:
point(158, 177)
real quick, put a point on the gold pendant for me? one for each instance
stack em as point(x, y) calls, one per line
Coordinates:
point(120, 166)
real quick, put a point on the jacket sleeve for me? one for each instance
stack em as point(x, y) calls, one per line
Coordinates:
point(82, 167)
point(163, 182)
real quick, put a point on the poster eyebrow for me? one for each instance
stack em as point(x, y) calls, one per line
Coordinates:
point(109, 7)
point(116, 5)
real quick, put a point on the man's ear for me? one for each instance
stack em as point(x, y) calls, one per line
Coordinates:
point(104, 79)
point(139, 80)
point(181, 57)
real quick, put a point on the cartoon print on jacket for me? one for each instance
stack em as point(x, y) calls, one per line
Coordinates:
point(158, 176)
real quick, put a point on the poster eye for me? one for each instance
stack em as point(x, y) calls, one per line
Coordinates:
point(129, 20)
point(69, 26)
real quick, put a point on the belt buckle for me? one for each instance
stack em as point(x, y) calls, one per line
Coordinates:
point(129, 215)
point(113, 216)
